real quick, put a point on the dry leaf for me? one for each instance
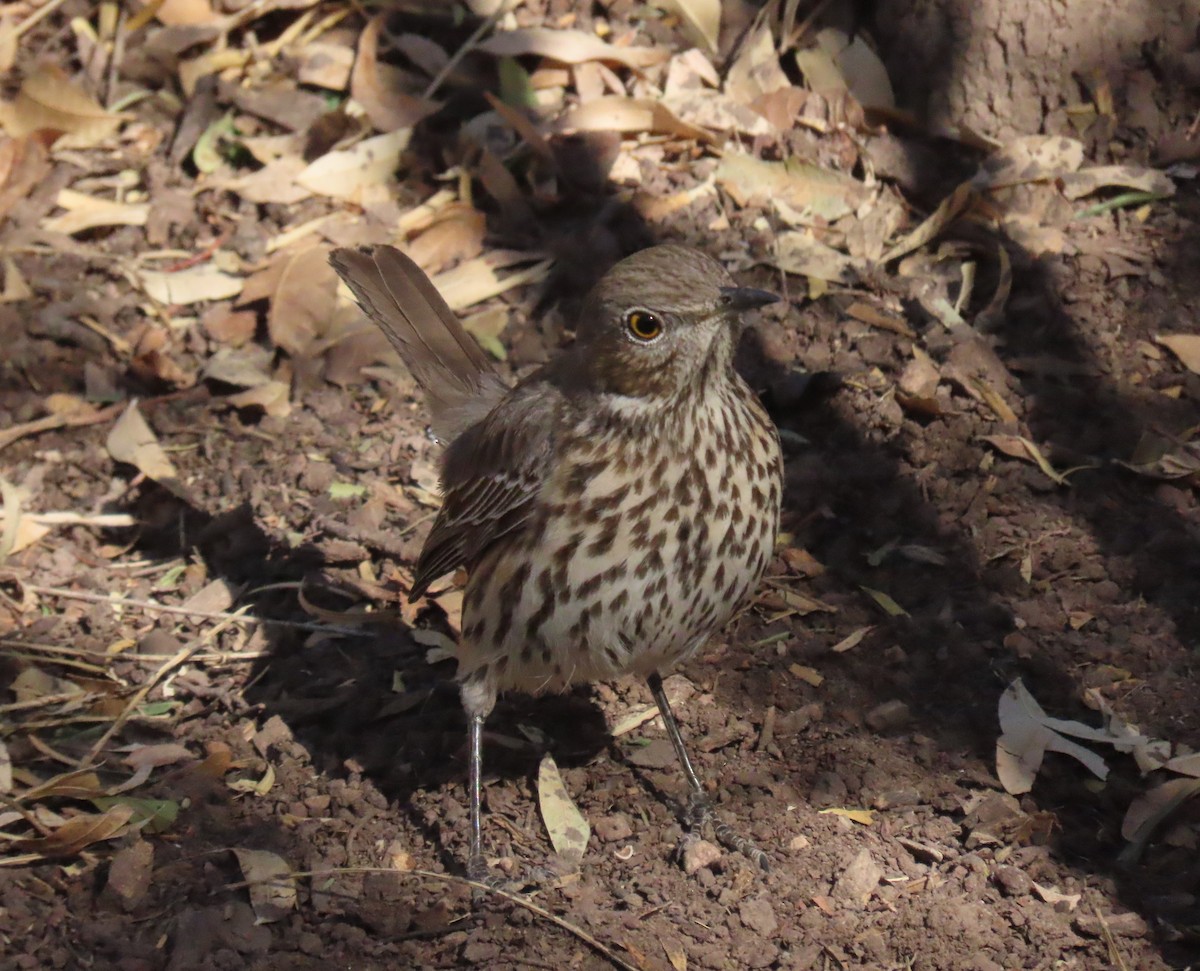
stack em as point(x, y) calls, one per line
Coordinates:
point(304, 300)
point(1054, 897)
point(851, 640)
point(700, 19)
point(1030, 158)
point(631, 115)
point(24, 162)
point(87, 212)
point(800, 252)
point(130, 872)
point(184, 13)
point(132, 441)
point(1019, 447)
point(949, 210)
point(78, 832)
point(859, 66)
point(1186, 347)
point(1148, 810)
point(50, 100)
point(569, 47)
point(358, 172)
point(273, 397)
point(476, 280)
point(756, 72)
point(864, 817)
point(1075, 185)
point(569, 830)
point(272, 886)
point(375, 86)
point(807, 674)
point(455, 235)
point(890, 607)
point(195, 284)
point(807, 188)
point(1028, 733)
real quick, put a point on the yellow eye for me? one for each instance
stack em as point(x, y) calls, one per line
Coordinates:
point(643, 325)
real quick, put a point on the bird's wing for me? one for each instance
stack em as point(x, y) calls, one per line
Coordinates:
point(491, 477)
point(458, 379)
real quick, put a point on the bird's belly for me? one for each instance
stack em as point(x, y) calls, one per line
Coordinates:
point(629, 573)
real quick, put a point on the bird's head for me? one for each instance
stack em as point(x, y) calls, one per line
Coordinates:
point(662, 320)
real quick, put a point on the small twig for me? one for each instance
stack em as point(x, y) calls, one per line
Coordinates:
point(110, 520)
point(467, 47)
point(139, 696)
point(206, 657)
point(36, 17)
point(512, 898)
point(191, 612)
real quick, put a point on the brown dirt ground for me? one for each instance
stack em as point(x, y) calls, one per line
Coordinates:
point(365, 739)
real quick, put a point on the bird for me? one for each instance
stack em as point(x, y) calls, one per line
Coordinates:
point(613, 508)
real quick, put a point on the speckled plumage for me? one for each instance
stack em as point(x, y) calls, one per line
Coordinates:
point(615, 507)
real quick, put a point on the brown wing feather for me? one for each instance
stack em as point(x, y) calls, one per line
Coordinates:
point(490, 477)
point(459, 381)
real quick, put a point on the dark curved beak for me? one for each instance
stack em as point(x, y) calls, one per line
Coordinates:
point(746, 298)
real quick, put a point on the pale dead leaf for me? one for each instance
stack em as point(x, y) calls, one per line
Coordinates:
point(272, 886)
point(17, 531)
point(569, 47)
point(1186, 347)
point(890, 607)
point(1019, 447)
point(50, 99)
point(700, 19)
point(15, 287)
point(357, 173)
point(568, 829)
point(132, 441)
point(9, 38)
point(864, 817)
point(807, 188)
point(1028, 733)
point(1148, 810)
point(852, 640)
point(863, 71)
point(24, 162)
point(375, 86)
point(6, 777)
point(1075, 185)
point(186, 13)
point(756, 72)
point(800, 252)
point(324, 64)
point(88, 212)
point(130, 872)
point(1054, 897)
point(78, 832)
point(155, 756)
point(456, 234)
point(1029, 158)
point(476, 280)
point(304, 300)
point(195, 284)
point(949, 210)
point(630, 115)
point(809, 675)
point(273, 397)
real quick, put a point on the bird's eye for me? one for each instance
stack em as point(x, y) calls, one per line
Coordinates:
point(643, 325)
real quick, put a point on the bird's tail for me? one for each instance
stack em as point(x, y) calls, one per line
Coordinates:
point(458, 379)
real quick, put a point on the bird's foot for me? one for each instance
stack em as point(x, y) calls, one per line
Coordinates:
point(529, 878)
point(699, 812)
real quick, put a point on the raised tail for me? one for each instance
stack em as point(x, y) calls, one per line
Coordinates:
point(458, 379)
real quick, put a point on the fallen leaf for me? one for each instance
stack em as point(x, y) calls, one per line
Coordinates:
point(569, 47)
point(78, 832)
point(353, 174)
point(863, 71)
point(864, 817)
point(756, 72)
point(155, 756)
point(157, 815)
point(807, 674)
point(273, 397)
point(701, 20)
point(1148, 810)
point(375, 86)
point(1075, 185)
point(24, 162)
point(568, 829)
point(132, 441)
point(890, 607)
point(800, 252)
point(949, 210)
point(476, 280)
point(50, 100)
point(6, 777)
point(183, 13)
point(272, 886)
point(1029, 158)
point(807, 188)
point(851, 640)
point(632, 115)
point(195, 284)
point(304, 300)
point(1019, 447)
point(456, 234)
point(1054, 897)
point(130, 872)
point(1028, 733)
point(1186, 347)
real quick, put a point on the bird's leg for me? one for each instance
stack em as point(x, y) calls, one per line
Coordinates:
point(476, 865)
point(699, 810)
